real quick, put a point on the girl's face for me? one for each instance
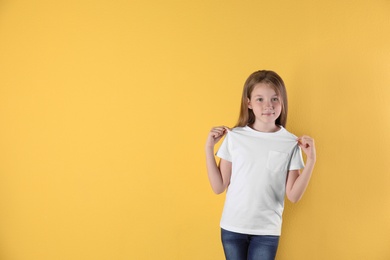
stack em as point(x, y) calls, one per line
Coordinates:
point(266, 106)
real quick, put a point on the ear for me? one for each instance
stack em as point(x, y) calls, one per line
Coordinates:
point(249, 103)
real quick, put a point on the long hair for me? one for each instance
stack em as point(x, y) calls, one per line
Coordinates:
point(247, 117)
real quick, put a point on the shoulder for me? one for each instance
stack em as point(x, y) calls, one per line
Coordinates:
point(238, 129)
point(285, 132)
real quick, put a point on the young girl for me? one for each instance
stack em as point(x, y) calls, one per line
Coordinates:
point(260, 163)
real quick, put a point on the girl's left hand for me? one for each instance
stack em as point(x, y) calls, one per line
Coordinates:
point(307, 145)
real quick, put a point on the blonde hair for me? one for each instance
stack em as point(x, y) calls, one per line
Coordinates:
point(271, 78)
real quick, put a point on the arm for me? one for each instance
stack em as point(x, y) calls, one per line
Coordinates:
point(219, 175)
point(297, 182)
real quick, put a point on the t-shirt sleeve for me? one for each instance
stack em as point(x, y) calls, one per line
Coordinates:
point(224, 150)
point(296, 159)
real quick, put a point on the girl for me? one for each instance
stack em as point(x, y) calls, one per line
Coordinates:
point(260, 163)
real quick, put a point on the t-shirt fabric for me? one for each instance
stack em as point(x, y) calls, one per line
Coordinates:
point(260, 162)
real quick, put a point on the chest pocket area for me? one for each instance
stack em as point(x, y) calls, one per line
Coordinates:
point(277, 161)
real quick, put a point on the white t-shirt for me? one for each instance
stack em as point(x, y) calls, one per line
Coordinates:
point(260, 163)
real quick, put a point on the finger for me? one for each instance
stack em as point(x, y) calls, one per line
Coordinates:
point(220, 129)
point(304, 146)
point(305, 139)
point(307, 145)
point(217, 131)
point(304, 143)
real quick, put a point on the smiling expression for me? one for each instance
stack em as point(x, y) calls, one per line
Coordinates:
point(265, 104)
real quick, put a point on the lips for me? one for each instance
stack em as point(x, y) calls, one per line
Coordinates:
point(268, 113)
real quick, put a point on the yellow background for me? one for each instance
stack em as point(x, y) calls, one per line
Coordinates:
point(105, 107)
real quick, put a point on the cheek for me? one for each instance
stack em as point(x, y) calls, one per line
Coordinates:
point(278, 106)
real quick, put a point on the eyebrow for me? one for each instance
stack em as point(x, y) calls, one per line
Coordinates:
point(276, 95)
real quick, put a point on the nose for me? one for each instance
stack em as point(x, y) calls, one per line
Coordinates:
point(268, 104)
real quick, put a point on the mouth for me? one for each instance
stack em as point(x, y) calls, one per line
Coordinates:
point(269, 114)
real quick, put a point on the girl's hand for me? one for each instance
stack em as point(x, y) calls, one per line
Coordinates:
point(215, 134)
point(307, 145)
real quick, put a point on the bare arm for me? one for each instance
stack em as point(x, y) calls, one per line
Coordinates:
point(297, 182)
point(219, 175)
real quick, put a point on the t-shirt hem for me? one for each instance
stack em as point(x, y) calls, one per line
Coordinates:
point(258, 232)
point(223, 156)
point(296, 167)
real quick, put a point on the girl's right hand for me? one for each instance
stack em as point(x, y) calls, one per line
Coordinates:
point(215, 134)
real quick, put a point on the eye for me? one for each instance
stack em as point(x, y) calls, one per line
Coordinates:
point(260, 99)
point(275, 99)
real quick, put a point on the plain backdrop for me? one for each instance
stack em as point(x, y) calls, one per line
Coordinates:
point(105, 107)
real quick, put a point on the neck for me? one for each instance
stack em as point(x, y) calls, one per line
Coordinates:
point(266, 128)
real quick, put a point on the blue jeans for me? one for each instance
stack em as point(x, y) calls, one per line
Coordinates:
point(248, 247)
